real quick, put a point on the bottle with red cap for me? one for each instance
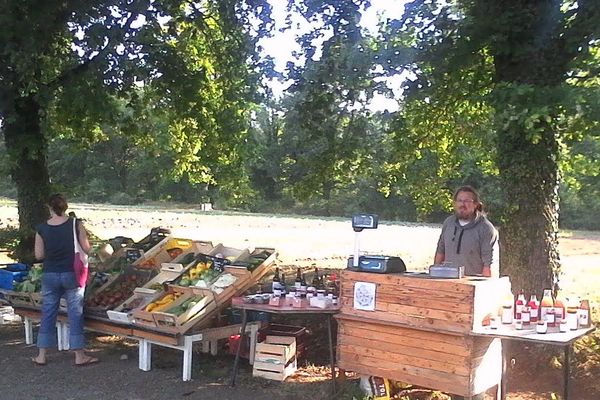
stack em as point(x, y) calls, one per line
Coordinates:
point(534, 308)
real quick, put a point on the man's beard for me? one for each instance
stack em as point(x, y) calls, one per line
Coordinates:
point(464, 214)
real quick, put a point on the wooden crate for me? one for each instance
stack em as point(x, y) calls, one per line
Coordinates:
point(153, 258)
point(180, 324)
point(275, 358)
point(449, 305)
point(23, 299)
point(458, 364)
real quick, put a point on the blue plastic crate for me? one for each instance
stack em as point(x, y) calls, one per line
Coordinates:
point(7, 278)
point(15, 267)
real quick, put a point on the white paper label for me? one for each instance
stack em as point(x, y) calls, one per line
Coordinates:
point(364, 296)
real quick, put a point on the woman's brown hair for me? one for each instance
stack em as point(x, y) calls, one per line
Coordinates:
point(58, 204)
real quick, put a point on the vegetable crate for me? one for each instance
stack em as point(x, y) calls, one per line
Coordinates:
point(24, 299)
point(166, 250)
point(124, 312)
point(115, 291)
point(168, 272)
point(198, 247)
point(275, 358)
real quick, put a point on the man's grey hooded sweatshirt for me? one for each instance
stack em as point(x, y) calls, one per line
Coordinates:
point(472, 245)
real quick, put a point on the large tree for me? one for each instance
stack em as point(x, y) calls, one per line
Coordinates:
point(519, 58)
point(62, 61)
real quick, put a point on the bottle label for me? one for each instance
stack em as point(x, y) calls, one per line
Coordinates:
point(583, 318)
point(526, 317)
point(519, 308)
point(507, 315)
point(534, 314)
point(297, 285)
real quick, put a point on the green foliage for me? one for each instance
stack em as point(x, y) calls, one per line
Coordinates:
point(9, 239)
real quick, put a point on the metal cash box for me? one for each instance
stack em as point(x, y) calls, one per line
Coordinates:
point(447, 271)
point(379, 264)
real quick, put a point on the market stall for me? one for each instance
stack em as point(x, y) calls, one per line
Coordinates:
point(442, 334)
point(162, 291)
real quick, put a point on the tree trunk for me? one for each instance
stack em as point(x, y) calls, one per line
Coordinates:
point(528, 67)
point(27, 149)
point(528, 237)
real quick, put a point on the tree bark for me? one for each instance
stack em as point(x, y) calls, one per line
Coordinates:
point(527, 66)
point(27, 148)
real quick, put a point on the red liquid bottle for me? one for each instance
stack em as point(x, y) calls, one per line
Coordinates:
point(534, 308)
point(520, 304)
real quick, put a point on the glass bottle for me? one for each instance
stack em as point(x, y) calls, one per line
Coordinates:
point(276, 287)
point(519, 304)
point(584, 314)
point(283, 286)
point(298, 281)
point(546, 304)
point(534, 308)
point(572, 311)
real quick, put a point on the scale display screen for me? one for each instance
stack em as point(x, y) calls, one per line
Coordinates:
point(365, 221)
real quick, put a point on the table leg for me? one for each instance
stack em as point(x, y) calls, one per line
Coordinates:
point(503, 383)
point(187, 359)
point(145, 355)
point(28, 330)
point(59, 336)
point(566, 371)
point(239, 349)
point(331, 354)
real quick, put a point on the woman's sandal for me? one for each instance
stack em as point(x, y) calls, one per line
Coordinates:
point(88, 361)
point(36, 362)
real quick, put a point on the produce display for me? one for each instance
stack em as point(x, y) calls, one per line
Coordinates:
point(223, 282)
point(200, 275)
point(163, 303)
point(120, 290)
point(185, 306)
point(33, 282)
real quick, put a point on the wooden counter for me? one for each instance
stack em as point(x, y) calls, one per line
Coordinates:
point(419, 331)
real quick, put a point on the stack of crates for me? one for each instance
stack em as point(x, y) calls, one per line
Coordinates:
point(275, 358)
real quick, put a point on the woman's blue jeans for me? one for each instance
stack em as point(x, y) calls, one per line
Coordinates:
point(54, 286)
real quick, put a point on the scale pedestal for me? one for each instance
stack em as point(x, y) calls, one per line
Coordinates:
point(371, 263)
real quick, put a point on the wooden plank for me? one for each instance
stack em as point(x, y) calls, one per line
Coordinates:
point(382, 314)
point(408, 346)
point(112, 329)
point(463, 304)
point(157, 337)
point(408, 361)
point(394, 374)
point(406, 350)
point(416, 292)
point(447, 285)
point(402, 330)
point(405, 373)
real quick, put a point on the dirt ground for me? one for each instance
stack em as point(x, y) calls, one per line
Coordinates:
point(300, 242)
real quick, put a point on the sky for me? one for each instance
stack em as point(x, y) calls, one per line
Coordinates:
point(282, 44)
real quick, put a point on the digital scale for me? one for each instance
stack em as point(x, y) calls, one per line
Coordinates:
point(371, 263)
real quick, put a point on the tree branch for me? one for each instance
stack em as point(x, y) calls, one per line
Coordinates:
point(69, 75)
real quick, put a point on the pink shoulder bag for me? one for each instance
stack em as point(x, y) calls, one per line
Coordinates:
point(80, 262)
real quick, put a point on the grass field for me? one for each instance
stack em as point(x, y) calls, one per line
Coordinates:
point(327, 242)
